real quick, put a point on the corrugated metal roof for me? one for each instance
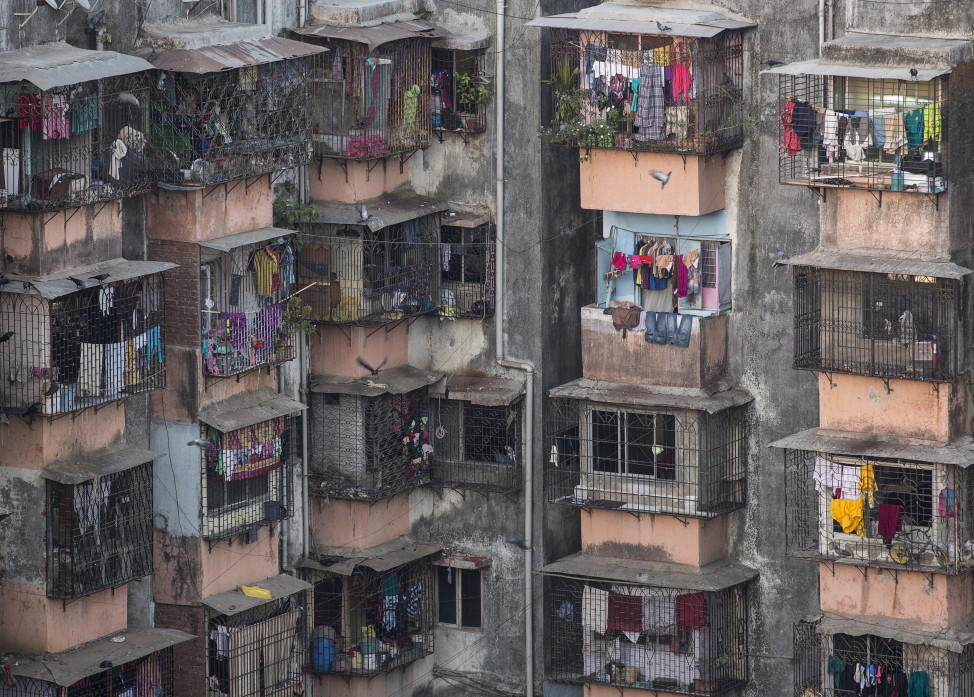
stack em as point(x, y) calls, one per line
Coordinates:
point(97, 464)
point(621, 26)
point(877, 262)
point(381, 558)
point(398, 380)
point(713, 577)
point(485, 391)
point(57, 64)
point(242, 239)
point(391, 209)
point(959, 452)
point(56, 285)
point(901, 630)
point(247, 409)
point(878, 72)
point(376, 35)
point(603, 392)
point(68, 667)
point(234, 602)
point(642, 19)
point(240, 54)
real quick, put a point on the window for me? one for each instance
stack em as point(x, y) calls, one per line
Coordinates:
point(633, 443)
point(461, 90)
point(467, 281)
point(868, 650)
point(459, 596)
point(477, 445)
point(224, 495)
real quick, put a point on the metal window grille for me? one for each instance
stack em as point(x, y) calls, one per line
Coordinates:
point(247, 476)
point(86, 348)
point(467, 271)
point(143, 677)
point(459, 596)
point(458, 75)
point(854, 132)
point(608, 456)
point(708, 263)
point(826, 664)
point(370, 447)
point(99, 533)
point(259, 652)
point(72, 145)
point(888, 513)
point(245, 318)
point(647, 637)
point(696, 108)
point(480, 446)
point(235, 124)
point(363, 277)
point(371, 104)
point(371, 623)
point(887, 325)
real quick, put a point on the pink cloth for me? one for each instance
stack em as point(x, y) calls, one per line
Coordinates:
point(682, 276)
point(619, 261)
point(57, 124)
point(682, 82)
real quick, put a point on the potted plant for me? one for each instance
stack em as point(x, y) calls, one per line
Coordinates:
point(473, 92)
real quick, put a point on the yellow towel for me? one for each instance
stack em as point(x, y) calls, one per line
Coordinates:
point(256, 592)
point(848, 514)
point(867, 484)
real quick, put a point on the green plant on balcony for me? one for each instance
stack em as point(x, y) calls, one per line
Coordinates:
point(473, 91)
point(288, 210)
point(294, 319)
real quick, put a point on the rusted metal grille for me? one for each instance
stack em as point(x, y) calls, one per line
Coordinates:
point(99, 533)
point(887, 325)
point(477, 446)
point(646, 637)
point(613, 456)
point(881, 135)
point(460, 90)
point(879, 512)
point(73, 145)
point(467, 271)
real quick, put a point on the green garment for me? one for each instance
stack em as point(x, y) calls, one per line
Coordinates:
point(84, 114)
point(932, 123)
point(410, 100)
point(914, 128)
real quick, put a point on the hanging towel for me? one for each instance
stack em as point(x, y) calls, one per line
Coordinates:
point(691, 610)
point(595, 608)
point(682, 84)
point(114, 368)
point(889, 522)
point(649, 115)
point(848, 514)
point(90, 370)
point(913, 121)
point(625, 613)
point(919, 685)
point(895, 132)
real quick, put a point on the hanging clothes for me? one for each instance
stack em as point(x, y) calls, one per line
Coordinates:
point(848, 514)
point(649, 116)
point(895, 132)
point(410, 101)
point(932, 123)
point(889, 522)
point(57, 125)
point(913, 121)
point(682, 84)
point(804, 120)
point(30, 111)
point(789, 138)
point(84, 114)
point(830, 133)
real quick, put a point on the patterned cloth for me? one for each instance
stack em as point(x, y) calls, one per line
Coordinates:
point(649, 115)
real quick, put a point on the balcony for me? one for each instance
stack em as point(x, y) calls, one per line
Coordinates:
point(460, 85)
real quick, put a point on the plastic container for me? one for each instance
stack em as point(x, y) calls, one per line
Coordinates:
point(369, 646)
point(322, 653)
point(897, 180)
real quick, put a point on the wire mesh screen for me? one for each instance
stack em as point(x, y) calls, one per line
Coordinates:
point(259, 652)
point(370, 622)
point(887, 325)
point(477, 446)
point(644, 92)
point(460, 90)
point(369, 447)
point(246, 319)
point(219, 127)
point(888, 513)
point(99, 532)
point(247, 476)
point(467, 271)
point(72, 145)
point(647, 637)
point(372, 104)
point(368, 278)
point(609, 456)
point(859, 133)
point(150, 676)
point(93, 346)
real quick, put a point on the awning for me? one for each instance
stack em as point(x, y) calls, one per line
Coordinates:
point(56, 285)
point(819, 67)
point(376, 35)
point(466, 218)
point(643, 19)
point(877, 262)
point(459, 38)
point(602, 392)
point(241, 54)
point(58, 64)
point(381, 558)
point(713, 577)
point(234, 602)
point(485, 391)
point(247, 409)
point(98, 464)
point(960, 452)
point(68, 667)
point(900, 630)
point(398, 380)
point(242, 239)
point(391, 209)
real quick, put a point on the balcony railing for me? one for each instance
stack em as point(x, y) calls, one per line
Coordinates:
point(477, 446)
point(461, 91)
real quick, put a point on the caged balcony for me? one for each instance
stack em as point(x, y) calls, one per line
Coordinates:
point(636, 459)
point(82, 340)
point(879, 512)
point(461, 90)
point(467, 270)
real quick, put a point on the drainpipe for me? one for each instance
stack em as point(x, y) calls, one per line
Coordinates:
point(505, 361)
point(821, 26)
point(303, 396)
point(268, 13)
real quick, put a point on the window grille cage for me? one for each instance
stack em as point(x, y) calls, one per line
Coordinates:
point(371, 104)
point(613, 456)
point(480, 445)
point(866, 134)
point(144, 677)
point(689, 97)
point(247, 476)
point(460, 90)
point(246, 318)
point(826, 664)
point(235, 124)
point(90, 347)
point(467, 271)
point(259, 652)
point(888, 513)
point(72, 145)
point(886, 325)
point(99, 533)
point(370, 447)
point(647, 637)
point(371, 623)
point(363, 277)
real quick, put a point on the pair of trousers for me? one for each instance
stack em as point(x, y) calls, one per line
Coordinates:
point(662, 328)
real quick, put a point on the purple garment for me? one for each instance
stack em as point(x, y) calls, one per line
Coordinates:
point(682, 277)
point(270, 322)
point(237, 328)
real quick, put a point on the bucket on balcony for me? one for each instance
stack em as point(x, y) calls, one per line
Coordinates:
point(369, 646)
point(322, 653)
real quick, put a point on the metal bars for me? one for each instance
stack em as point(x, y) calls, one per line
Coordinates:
point(477, 446)
point(467, 271)
point(460, 90)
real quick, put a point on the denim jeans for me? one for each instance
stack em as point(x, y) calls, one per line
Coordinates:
point(662, 328)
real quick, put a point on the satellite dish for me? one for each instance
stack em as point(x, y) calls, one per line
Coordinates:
point(84, 4)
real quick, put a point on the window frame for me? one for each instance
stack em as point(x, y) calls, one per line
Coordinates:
point(459, 573)
point(623, 471)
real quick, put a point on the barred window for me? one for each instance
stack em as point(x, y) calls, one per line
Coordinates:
point(460, 90)
point(625, 442)
point(477, 445)
point(467, 278)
